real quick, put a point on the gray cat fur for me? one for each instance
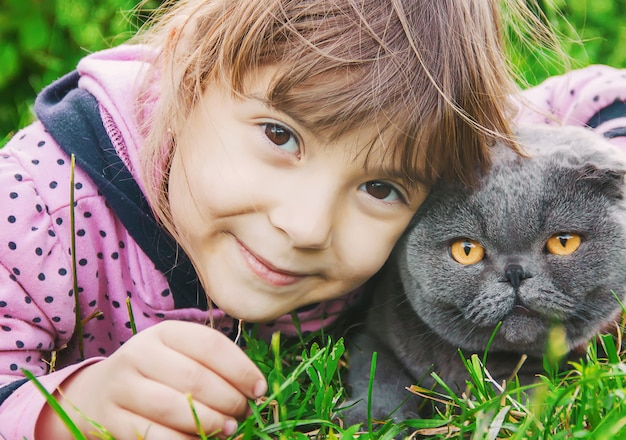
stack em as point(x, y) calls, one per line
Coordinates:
point(426, 306)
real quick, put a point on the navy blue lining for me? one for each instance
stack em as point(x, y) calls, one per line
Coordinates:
point(9, 388)
point(615, 110)
point(72, 117)
point(615, 132)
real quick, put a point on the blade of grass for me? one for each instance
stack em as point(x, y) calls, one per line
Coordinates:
point(496, 423)
point(196, 419)
point(291, 378)
point(131, 316)
point(608, 344)
point(56, 407)
point(78, 326)
point(370, 388)
point(490, 342)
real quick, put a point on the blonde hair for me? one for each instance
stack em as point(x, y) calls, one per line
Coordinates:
point(431, 74)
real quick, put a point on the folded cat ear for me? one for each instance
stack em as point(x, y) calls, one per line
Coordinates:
point(604, 166)
point(587, 154)
point(609, 181)
point(599, 163)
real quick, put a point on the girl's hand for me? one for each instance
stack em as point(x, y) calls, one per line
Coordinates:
point(142, 389)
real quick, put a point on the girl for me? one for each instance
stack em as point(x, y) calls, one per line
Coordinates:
point(242, 160)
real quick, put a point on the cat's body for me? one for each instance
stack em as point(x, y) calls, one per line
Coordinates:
point(539, 240)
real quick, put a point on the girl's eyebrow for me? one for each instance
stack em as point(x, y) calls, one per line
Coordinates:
point(301, 123)
point(394, 172)
point(260, 98)
point(386, 170)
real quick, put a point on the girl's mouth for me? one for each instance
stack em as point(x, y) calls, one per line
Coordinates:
point(267, 272)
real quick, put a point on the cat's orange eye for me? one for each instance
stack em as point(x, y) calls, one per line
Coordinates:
point(563, 243)
point(467, 251)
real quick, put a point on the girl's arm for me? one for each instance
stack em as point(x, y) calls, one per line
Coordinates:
point(28, 337)
point(143, 385)
point(36, 310)
point(21, 409)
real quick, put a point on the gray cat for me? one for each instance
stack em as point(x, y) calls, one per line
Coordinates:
point(540, 240)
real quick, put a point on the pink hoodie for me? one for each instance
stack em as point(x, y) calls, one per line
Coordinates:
point(594, 96)
point(36, 291)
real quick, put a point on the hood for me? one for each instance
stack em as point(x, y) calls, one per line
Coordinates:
point(114, 77)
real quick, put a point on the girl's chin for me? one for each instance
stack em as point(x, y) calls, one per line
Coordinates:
point(255, 314)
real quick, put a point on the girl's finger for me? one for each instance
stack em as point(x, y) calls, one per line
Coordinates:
point(188, 376)
point(155, 405)
point(140, 427)
point(216, 352)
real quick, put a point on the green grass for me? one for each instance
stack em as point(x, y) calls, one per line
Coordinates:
point(306, 394)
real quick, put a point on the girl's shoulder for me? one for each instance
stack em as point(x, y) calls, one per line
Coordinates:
point(594, 97)
point(575, 97)
point(33, 159)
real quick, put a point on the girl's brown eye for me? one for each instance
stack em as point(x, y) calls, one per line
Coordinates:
point(277, 134)
point(563, 243)
point(378, 190)
point(282, 137)
point(381, 191)
point(467, 251)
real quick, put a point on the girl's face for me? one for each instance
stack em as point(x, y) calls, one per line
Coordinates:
point(274, 217)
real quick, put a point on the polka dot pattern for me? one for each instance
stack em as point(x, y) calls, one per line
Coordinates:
point(575, 98)
point(37, 297)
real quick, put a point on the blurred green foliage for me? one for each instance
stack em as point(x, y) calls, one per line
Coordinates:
point(601, 26)
point(590, 31)
point(40, 40)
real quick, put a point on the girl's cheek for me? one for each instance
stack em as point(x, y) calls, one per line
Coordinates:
point(371, 250)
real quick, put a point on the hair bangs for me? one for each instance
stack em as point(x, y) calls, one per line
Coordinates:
point(332, 103)
point(344, 65)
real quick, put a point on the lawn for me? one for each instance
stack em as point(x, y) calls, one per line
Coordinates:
point(583, 399)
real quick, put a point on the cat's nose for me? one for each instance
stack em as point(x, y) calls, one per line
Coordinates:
point(514, 274)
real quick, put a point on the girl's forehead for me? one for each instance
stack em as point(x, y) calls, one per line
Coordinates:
point(371, 138)
point(322, 103)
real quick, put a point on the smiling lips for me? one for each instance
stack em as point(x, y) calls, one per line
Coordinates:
point(265, 272)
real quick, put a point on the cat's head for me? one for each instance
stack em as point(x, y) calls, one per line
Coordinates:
point(540, 240)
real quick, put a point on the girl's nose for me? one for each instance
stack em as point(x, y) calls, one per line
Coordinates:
point(307, 218)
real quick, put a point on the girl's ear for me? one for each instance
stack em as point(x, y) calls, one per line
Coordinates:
point(177, 29)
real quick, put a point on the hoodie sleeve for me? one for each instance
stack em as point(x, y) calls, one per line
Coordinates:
point(36, 296)
point(21, 408)
point(594, 97)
